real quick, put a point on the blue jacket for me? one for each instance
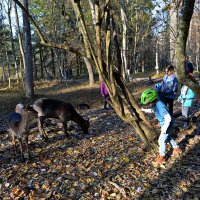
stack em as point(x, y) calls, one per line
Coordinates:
point(186, 96)
point(169, 86)
point(189, 67)
point(160, 111)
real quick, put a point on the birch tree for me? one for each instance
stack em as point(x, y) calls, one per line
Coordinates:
point(12, 40)
point(173, 29)
point(124, 39)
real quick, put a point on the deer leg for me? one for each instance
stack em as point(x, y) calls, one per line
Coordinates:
point(41, 127)
point(21, 149)
point(14, 145)
point(27, 146)
point(65, 129)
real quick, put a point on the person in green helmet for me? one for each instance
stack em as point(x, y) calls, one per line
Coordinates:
point(149, 99)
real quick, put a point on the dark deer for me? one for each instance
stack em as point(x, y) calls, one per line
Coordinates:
point(51, 108)
point(18, 128)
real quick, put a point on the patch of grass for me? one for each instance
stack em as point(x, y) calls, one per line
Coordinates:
point(74, 92)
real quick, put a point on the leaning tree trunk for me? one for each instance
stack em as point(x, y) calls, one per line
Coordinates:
point(124, 105)
point(187, 8)
point(87, 50)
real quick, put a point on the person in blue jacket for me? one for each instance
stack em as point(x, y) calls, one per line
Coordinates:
point(158, 89)
point(150, 100)
point(169, 88)
point(186, 98)
point(188, 66)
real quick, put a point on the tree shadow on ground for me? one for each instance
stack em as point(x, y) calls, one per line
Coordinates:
point(97, 127)
point(102, 159)
point(179, 180)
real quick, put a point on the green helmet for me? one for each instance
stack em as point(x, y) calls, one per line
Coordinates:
point(148, 96)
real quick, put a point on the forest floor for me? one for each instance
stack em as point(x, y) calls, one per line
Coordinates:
point(108, 163)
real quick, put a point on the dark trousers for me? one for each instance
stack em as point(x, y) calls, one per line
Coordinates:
point(106, 98)
point(170, 103)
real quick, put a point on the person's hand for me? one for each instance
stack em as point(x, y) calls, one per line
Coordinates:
point(163, 132)
point(142, 109)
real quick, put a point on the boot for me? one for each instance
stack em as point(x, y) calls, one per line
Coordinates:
point(186, 122)
point(159, 160)
point(177, 152)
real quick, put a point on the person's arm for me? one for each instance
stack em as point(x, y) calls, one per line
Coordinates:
point(102, 89)
point(175, 85)
point(149, 110)
point(187, 67)
point(164, 128)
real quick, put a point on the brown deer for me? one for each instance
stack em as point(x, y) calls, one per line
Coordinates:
point(51, 108)
point(18, 128)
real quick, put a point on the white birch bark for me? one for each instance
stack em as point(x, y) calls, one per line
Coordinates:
point(173, 30)
point(124, 41)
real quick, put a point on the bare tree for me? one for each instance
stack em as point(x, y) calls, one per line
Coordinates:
point(20, 42)
point(12, 41)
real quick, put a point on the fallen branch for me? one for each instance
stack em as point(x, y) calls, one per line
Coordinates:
point(121, 190)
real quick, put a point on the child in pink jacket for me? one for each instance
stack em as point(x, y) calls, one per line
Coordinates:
point(104, 93)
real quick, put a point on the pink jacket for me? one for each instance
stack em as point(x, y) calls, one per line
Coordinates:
point(104, 91)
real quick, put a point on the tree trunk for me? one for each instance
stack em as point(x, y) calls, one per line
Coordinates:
point(53, 63)
point(124, 39)
point(157, 63)
point(135, 45)
point(4, 73)
point(8, 65)
point(90, 71)
point(184, 24)
point(20, 42)
point(114, 79)
point(197, 55)
point(87, 48)
point(28, 56)
point(35, 66)
point(173, 29)
point(41, 63)
point(12, 41)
